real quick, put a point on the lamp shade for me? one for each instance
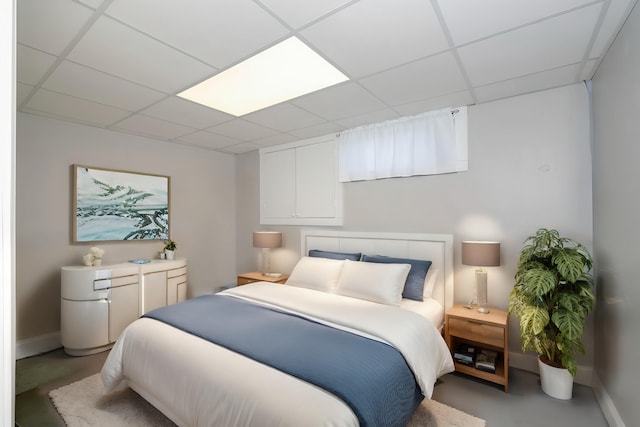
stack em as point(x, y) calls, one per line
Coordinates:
point(267, 239)
point(481, 254)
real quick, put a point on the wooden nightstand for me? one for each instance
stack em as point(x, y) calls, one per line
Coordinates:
point(489, 331)
point(256, 276)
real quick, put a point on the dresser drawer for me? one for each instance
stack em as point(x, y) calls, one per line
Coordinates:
point(475, 331)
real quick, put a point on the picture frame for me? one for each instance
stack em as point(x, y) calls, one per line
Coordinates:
point(117, 205)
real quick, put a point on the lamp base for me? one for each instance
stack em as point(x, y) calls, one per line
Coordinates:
point(481, 291)
point(483, 310)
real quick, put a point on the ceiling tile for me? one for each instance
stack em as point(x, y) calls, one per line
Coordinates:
point(242, 130)
point(150, 126)
point(610, 26)
point(117, 49)
point(423, 79)
point(284, 117)
point(296, 16)
point(364, 119)
point(178, 110)
point(530, 49)
point(281, 138)
point(589, 69)
point(534, 82)
point(339, 102)
point(485, 20)
point(371, 36)
point(209, 140)
point(82, 82)
point(49, 25)
point(218, 33)
point(32, 64)
point(317, 130)
point(457, 99)
point(77, 109)
point(245, 147)
point(22, 92)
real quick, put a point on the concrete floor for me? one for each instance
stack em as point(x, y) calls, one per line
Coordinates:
point(524, 406)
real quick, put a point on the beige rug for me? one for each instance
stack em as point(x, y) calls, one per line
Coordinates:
point(83, 404)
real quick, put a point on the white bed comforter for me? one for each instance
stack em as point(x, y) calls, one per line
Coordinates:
point(197, 383)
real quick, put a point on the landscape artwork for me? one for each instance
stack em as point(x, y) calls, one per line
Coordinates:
point(117, 205)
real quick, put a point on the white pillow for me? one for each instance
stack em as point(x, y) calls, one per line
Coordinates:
point(430, 282)
point(320, 274)
point(382, 283)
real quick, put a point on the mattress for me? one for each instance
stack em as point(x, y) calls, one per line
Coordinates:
point(197, 383)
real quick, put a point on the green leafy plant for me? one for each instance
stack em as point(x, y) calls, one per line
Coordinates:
point(169, 245)
point(552, 295)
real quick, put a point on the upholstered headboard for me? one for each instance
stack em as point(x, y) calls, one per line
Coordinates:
point(438, 248)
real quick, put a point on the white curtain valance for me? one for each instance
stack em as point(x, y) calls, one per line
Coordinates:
point(419, 145)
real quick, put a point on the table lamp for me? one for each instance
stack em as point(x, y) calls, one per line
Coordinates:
point(481, 254)
point(267, 240)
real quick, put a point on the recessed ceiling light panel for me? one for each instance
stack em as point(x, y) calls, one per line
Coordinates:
point(282, 72)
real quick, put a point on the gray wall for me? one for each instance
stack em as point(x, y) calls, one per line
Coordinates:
point(529, 167)
point(202, 210)
point(616, 100)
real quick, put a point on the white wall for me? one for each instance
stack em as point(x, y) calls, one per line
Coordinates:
point(616, 99)
point(202, 210)
point(529, 167)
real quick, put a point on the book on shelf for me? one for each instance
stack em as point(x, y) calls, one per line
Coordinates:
point(486, 360)
point(465, 354)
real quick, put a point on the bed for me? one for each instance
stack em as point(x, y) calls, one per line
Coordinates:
point(326, 350)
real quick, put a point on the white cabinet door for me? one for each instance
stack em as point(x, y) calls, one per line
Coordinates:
point(316, 181)
point(278, 185)
point(123, 309)
point(84, 324)
point(155, 291)
point(299, 184)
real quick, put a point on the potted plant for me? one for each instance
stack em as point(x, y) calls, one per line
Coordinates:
point(552, 295)
point(169, 249)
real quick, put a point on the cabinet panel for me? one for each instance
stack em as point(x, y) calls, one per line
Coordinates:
point(154, 290)
point(316, 181)
point(277, 184)
point(123, 309)
point(83, 324)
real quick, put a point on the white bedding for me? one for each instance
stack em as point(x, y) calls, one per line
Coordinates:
point(197, 383)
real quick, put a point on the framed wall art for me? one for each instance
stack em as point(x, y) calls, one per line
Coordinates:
point(113, 205)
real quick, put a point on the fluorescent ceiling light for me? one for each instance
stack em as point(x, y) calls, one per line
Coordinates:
point(282, 72)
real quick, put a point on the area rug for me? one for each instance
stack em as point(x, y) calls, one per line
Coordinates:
point(83, 404)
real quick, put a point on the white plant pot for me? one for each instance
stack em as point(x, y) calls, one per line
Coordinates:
point(556, 382)
point(169, 254)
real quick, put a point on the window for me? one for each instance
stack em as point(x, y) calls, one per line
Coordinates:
point(430, 143)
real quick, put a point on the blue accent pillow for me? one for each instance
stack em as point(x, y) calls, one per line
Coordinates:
point(414, 286)
point(334, 255)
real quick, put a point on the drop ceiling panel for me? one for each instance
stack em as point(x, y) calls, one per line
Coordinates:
point(218, 33)
point(423, 79)
point(153, 127)
point(32, 64)
point(242, 130)
point(190, 114)
point(494, 16)
point(296, 16)
point(208, 140)
point(22, 92)
point(610, 26)
point(284, 118)
point(339, 102)
point(373, 117)
point(86, 83)
point(549, 44)
point(317, 130)
point(77, 109)
point(449, 100)
point(50, 25)
point(119, 50)
point(531, 83)
point(375, 35)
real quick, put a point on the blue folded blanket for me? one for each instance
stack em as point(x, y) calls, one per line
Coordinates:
point(371, 377)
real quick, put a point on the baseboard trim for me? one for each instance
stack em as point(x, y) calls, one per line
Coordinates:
point(606, 404)
point(38, 345)
point(529, 362)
